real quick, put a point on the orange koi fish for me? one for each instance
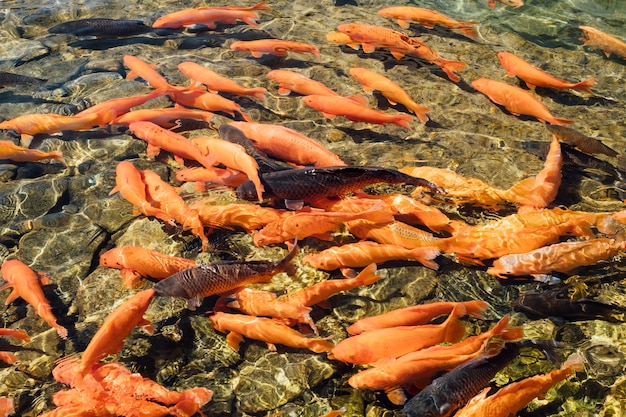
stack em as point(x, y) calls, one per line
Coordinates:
point(163, 117)
point(29, 125)
point(512, 3)
point(215, 82)
point(140, 68)
point(393, 342)
point(129, 183)
point(206, 101)
point(364, 253)
point(394, 233)
point(211, 176)
point(231, 155)
point(287, 144)
point(417, 369)
point(246, 216)
point(109, 339)
point(109, 110)
point(6, 406)
point(209, 16)
point(276, 47)
point(159, 138)
point(314, 223)
point(607, 43)
point(15, 333)
point(136, 262)
point(516, 100)
point(535, 77)
point(26, 284)
point(509, 400)
point(170, 202)
point(266, 330)
point(415, 315)
point(342, 106)
point(427, 18)
point(559, 257)
point(9, 150)
point(393, 92)
point(289, 81)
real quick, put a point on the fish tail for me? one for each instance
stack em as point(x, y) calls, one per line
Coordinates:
point(501, 330)
point(468, 29)
point(259, 93)
point(420, 112)
point(476, 307)
point(382, 215)
point(426, 255)
point(403, 120)
point(455, 329)
point(368, 275)
point(585, 85)
point(575, 362)
point(320, 345)
point(560, 121)
point(450, 66)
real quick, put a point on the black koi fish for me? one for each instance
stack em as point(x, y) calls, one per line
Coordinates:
point(9, 78)
point(302, 184)
point(102, 27)
point(557, 305)
point(453, 390)
point(220, 277)
point(266, 164)
point(579, 141)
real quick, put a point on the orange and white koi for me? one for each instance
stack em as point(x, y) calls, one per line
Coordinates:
point(276, 47)
point(159, 138)
point(314, 223)
point(9, 150)
point(109, 339)
point(415, 315)
point(364, 253)
point(140, 68)
point(394, 233)
point(216, 82)
point(393, 92)
point(393, 342)
point(165, 117)
point(331, 106)
point(266, 330)
point(206, 100)
point(289, 81)
point(231, 155)
point(170, 202)
point(109, 110)
point(507, 401)
point(536, 77)
point(249, 217)
point(209, 16)
point(427, 18)
point(136, 262)
point(130, 185)
point(516, 100)
point(287, 144)
point(26, 284)
point(607, 43)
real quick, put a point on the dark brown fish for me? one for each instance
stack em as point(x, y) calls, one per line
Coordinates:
point(9, 78)
point(453, 390)
point(557, 305)
point(581, 142)
point(220, 277)
point(102, 27)
point(302, 184)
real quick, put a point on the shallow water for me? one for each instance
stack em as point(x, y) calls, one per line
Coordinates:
point(60, 220)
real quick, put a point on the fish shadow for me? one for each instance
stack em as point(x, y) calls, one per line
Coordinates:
point(568, 98)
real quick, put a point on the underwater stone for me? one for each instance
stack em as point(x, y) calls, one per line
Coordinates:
point(27, 199)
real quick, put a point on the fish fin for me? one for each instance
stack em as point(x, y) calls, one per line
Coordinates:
point(426, 255)
point(257, 54)
point(146, 325)
point(293, 204)
point(393, 103)
point(131, 278)
point(271, 347)
point(530, 85)
point(468, 30)
point(193, 303)
point(403, 24)
point(560, 121)
point(12, 296)
point(282, 91)
point(455, 329)
point(368, 48)
point(585, 85)
point(368, 89)
point(152, 151)
point(328, 115)
point(396, 395)
point(44, 279)
point(25, 140)
point(474, 308)
point(397, 54)
point(354, 45)
point(234, 340)
point(359, 99)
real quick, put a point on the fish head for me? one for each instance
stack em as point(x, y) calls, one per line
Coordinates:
point(427, 406)
point(247, 191)
point(172, 287)
point(112, 258)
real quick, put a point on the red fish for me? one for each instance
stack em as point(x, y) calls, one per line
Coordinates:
point(276, 47)
point(607, 43)
point(209, 16)
point(140, 68)
point(246, 216)
point(215, 82)
point(394, 233)
point(165, 117)
point(206, 101)
point(109, 110)
point(427, 18)
point(9, 150)
point(516, 100)
point(28, 125)
point(6, 406)
point(26, 284)
point(535, 77)
point(289, 81)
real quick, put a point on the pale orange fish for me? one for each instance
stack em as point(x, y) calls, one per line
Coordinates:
point(132, 188)
point(6, 406)
point(417, 369)
point(507, 401)
point(9, 150)
point(231, 155)
point(216, 82)
point(159, 138)
point(109, 110)
point(427, 18)
point(266, 330)
point(607, 43)
point(393, 92)
point(165, 117)
point(516, 100)
point(140, 68)
point(209, 16)
point(19, 334)
point(26, 284)
point(211, 177)
point(351, 110)
point(109, 339)
point(415, 315)
point(394, 233)
point(512, 3)
point(136, 262)
point(173, 204)
point(289, 81)
point(287, 144)
point(374, 345)
point(29, 125)
point(364, 253)
point(558, 257)
point(249, 217)
point(206, 100)
point(276, 47)
point(536, 77)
